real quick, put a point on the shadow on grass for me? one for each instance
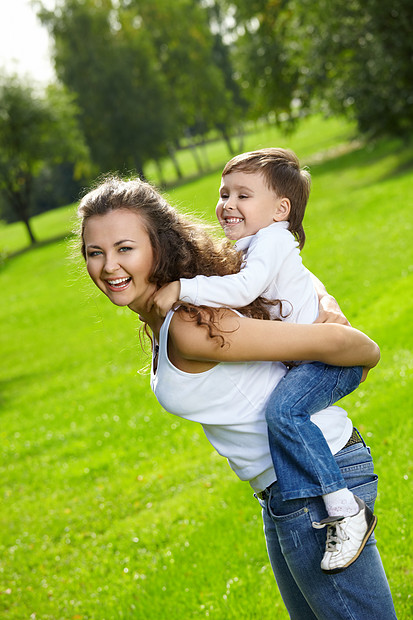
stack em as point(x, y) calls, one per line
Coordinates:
point(18, 382)
point(363, 155)
point(34, 246)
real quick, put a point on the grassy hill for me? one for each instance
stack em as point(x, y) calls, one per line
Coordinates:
point(114, 509)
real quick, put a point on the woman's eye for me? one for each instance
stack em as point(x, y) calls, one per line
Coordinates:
point(124, 248)
point(94, 253)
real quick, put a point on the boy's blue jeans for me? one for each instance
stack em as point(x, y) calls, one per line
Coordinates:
point(303, 462)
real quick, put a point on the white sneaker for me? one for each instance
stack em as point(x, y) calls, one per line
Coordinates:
point(346, 537)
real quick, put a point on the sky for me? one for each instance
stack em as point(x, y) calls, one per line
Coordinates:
point(24, 42)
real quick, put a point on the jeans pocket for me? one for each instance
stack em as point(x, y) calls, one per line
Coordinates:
point(280, 510)
point(365, 487)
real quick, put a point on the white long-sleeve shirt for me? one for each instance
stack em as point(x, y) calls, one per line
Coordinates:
point(273, 269)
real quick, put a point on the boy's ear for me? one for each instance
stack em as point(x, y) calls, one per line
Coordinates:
point(282, 210)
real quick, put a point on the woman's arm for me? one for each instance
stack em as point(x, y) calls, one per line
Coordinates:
point(256, 340)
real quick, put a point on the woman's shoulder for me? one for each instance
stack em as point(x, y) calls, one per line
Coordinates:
point(197, 335)
point(190, 346)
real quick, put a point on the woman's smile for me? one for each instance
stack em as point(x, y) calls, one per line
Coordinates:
point(120, 284)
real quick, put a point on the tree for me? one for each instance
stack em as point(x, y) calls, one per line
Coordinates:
point(200, 92)
point(264, 54)
point(110, 63)
point(145, 74)
point(36, 130)
point(352, 57)
point(359, 60)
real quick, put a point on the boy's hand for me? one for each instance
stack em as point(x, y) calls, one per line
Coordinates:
point(166, 297)
point(330, 311)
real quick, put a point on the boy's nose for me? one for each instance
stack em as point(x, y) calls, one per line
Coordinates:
point(229, 204)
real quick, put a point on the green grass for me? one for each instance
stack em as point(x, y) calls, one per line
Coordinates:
point(112, 508)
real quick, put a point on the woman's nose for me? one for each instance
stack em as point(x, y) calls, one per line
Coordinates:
point(111, 264)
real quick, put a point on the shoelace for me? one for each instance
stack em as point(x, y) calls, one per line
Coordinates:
point(336, 533)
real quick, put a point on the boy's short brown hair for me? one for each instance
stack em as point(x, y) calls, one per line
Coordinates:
point(282, 173)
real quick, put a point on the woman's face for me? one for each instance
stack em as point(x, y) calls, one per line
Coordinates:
point(119, 257)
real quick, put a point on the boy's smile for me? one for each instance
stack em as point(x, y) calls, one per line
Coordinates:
point(247, 204)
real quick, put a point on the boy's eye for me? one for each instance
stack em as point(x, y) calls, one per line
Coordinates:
point(243, 196)
point(224, 196)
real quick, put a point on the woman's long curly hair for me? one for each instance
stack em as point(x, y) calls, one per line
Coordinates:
point(181, 248)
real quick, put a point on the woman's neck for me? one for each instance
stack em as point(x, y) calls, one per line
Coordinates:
point(151, 318)
point(143, 306)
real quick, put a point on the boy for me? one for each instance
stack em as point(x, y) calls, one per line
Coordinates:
point(263, 196)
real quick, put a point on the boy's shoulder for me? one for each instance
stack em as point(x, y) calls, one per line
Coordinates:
point(276, 229)
point(275, 233)
point(273, 239)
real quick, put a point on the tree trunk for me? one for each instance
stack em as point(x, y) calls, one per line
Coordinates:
point(160, 172)
point(196, 158)
point(204, 152)
point(20, 201)
point(194, 152)
point(241, 136)
point(227, 140)
point(139, 169)
point(174, 160)
point(26, 222)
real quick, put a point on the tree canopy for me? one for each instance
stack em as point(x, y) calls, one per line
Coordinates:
point(148, 72)
point(353, 57)
point(144, 73)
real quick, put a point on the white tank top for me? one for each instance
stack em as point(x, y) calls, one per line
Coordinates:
point(229, 402)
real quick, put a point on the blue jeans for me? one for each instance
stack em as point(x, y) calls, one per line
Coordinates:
point(295, 549)
point(303, 462)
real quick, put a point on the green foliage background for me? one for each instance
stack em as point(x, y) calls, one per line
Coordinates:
point(112, 508)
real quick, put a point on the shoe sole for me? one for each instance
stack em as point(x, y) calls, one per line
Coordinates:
point(363, 544)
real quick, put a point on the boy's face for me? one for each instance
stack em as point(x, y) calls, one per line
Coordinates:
point(247, 204)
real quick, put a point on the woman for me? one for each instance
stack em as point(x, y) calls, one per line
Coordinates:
point(218, 367)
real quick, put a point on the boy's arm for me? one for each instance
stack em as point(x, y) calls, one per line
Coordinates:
point(234, 290)
point(266, 255)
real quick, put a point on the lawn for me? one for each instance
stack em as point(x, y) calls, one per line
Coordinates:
point(114, 509)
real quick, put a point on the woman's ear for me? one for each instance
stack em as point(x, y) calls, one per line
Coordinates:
point(282, 210)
